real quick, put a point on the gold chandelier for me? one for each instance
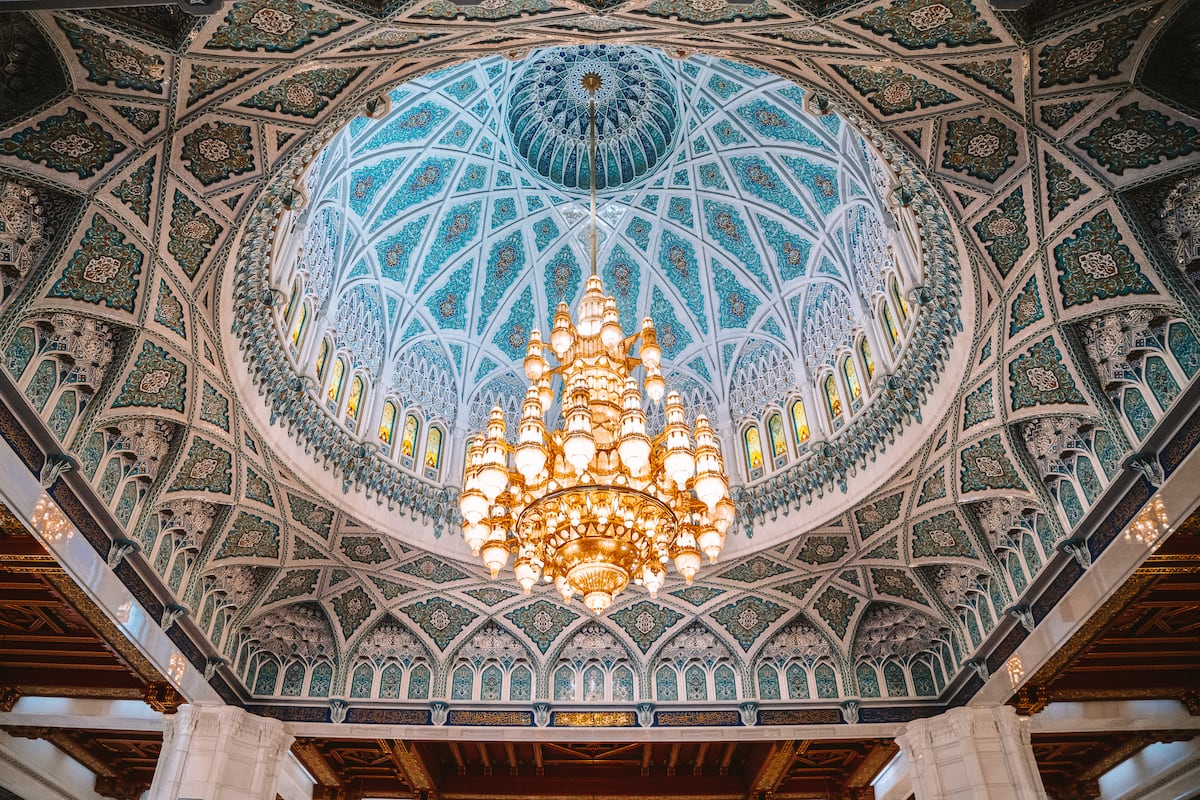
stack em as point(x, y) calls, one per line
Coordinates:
point(598, 503)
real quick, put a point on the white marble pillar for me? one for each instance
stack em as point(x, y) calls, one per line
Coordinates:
point(219, 753)
point(972, 754)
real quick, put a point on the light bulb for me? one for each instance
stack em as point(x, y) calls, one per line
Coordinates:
point(653, 579)
point(655, 385)
point(562, 335)
point(475, 534)
point(597, 601)
point(711, 542)
point(651, 353)
point(495, 554)
point(535, 362)
point(526, 573)
point(610, 331)
point(473, 506)
point(687, 563)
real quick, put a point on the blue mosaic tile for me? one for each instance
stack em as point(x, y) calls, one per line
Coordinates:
point(65, 142)
point(646, 622)
point(103, 270)
point(542, 621)
point(157, 380)
point(747, 618)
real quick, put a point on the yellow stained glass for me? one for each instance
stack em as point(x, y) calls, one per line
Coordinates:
point(778, 440)
point(889, 326)
point(864, 350)
point(355, 399)
point(433, 449)
point(287, 312)
point(754, 454)
point(851, 375)
point(800, 422)
point(387, 422)
point(832, 398)
point(298, 325)
point(900, 302)
point(408, 442)
point(322, 355)
point(335, 381)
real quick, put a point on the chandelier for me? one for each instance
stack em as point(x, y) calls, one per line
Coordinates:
point(599, 503)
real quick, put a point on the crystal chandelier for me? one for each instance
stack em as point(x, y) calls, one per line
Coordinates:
point(598, 503)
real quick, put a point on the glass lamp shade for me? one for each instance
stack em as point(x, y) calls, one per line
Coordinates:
point(495, 555)
point(687, 563)
point(711, 542)
point(475, 534)
point(473, 505)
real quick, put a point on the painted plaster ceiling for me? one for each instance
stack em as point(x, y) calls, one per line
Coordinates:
point(439, 235)
point(135, 176)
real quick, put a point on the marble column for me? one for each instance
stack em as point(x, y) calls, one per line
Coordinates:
point(219, 753)
point(972, 754)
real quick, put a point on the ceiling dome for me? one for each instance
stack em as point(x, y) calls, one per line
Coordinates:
point(637, 115)
point(440, 234)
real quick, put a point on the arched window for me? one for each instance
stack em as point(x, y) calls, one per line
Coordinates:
point(754, 453)
point(462, 683)
point(864, 351)
point(493, 683)
point(322, 356)
point(778, 439)
point(433, 451)
point(298, 326)
point(593, 684)
point(851, 376)
point(889, 325)
point(696, 683)
point(622, 680)
point(768, 683)
point(564, 683)
point(833, 399)
point(336, 379)
point(418, 683)
point(800, 422)
point(408, 442)
point(387, 423)
point(291, 303)
point(898, 299)
point(666, 686)
point(362, 681)
point(520, 683)
point(354, 401)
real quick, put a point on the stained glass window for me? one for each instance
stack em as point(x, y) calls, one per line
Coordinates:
point(889, 325)
point(768, 683)
point(264, 682)
point(564, 683)
point(797, 682)
point(778, 440)
point(360, 684)
point(864, 350)
point(322, 355)
point(335, 380)
point(298, 325)
point(389, 684)
point(418, 683)
point(387, 422)
point(851, 375)
point(800, 422)
point(408, 442)
point(754, 454)
point(666, 685)
point(355, 400)
point(725, 683)
point(593, 683)
point(833, 400)
point(622, 684)
point(696, 682)
point(493, 681)
point(520, 683)
point(319, 683)
point(433, 448)
point(291, 303)
point(462, 683)
point(898, 298)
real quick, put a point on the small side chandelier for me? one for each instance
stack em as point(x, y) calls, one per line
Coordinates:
point(598, 504)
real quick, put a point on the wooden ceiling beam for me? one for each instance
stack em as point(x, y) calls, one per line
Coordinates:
point(511, 753)
point(773, 769)
point(485, 758)
point(727, 757)
point(673, 758)
point(538, 763)
point(698, 761)
point(459, 761)
point(647, 752)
